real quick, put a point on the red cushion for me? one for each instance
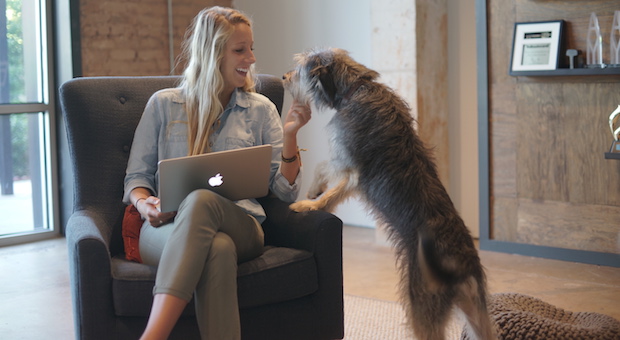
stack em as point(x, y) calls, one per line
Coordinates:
point(132, 222)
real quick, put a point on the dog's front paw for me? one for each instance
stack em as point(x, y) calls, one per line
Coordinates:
point(305, 205)
point(314, 194)
point(316, 190)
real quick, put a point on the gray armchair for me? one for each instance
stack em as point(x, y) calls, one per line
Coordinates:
point(292, 291)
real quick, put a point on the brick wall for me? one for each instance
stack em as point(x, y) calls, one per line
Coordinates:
point(131, 37)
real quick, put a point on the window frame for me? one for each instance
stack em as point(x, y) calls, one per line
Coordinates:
point(48, 108)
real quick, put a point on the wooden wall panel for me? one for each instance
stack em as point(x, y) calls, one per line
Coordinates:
point(591, 178)
point(568, 225)
point(505, 219)
point(550, 184)
point(541, 148)
point(562, 137)
point(501, 24)
point(504, 137)
point(432, 82)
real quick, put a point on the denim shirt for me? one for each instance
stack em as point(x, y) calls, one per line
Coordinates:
point(249, 119)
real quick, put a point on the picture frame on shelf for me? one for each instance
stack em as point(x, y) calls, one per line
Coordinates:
point(537, 46)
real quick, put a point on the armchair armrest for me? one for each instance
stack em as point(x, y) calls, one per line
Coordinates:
point(308, 230)
point(88, 238)
point(320, 233)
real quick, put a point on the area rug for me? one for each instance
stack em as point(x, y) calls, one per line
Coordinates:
point(372, 319)
point(515, 316)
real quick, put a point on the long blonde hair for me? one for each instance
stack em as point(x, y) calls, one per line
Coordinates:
point(202, 81)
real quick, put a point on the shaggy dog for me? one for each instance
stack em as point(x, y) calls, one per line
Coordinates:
point(377, 155)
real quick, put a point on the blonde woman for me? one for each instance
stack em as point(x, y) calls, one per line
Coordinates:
point(198, 247)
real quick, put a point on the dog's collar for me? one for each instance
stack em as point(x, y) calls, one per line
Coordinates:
point(356, 85)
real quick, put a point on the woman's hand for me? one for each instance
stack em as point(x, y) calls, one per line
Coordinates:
point(298, 116)
point(148, 208)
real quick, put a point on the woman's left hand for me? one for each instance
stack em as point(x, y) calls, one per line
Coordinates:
point(298, 115)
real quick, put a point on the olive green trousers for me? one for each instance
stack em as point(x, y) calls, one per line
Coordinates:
point(197, 255)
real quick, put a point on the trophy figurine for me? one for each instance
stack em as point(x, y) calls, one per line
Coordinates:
point(594, 40)
point(615, 131)
point(614, 41)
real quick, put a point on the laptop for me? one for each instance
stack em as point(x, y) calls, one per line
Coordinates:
point(235, 174)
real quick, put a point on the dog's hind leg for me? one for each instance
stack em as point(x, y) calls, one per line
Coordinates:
point(472, 302)
point(428, 307)
point(429, 316)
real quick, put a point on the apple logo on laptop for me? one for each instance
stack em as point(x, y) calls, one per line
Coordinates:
point(216, 180)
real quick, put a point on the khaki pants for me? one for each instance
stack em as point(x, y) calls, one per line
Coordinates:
point(198, 255)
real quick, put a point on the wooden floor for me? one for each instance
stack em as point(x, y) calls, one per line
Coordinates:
point(369, 270)
point(36, 302)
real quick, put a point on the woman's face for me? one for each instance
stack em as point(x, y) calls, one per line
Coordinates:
point(238, 57)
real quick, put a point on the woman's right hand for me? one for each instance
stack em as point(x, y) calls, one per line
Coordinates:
point(148, 208)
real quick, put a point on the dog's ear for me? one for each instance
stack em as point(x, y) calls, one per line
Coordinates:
point(327, 83)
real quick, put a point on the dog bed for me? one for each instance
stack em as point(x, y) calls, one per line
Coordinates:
point(517, 316)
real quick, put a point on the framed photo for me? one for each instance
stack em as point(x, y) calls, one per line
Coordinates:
point(537, 46)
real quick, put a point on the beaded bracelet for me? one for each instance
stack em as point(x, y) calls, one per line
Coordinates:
point(294, 158)
point(289, 160)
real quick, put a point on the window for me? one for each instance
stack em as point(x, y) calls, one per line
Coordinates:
point(26, 111)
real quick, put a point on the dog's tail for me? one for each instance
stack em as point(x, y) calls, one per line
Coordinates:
point(442, 267)
point(430, 259)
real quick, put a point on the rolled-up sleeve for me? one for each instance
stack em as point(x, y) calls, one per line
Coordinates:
point(283, 189)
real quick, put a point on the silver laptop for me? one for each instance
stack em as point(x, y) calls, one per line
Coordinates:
point(235, 174)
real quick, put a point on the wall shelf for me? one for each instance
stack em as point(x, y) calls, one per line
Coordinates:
point(609, 155)
point(569, 72)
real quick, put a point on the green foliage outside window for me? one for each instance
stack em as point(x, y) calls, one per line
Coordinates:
point(19, 122)
point(15, 40)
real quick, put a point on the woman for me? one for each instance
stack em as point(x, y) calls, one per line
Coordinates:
point(198, 247)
